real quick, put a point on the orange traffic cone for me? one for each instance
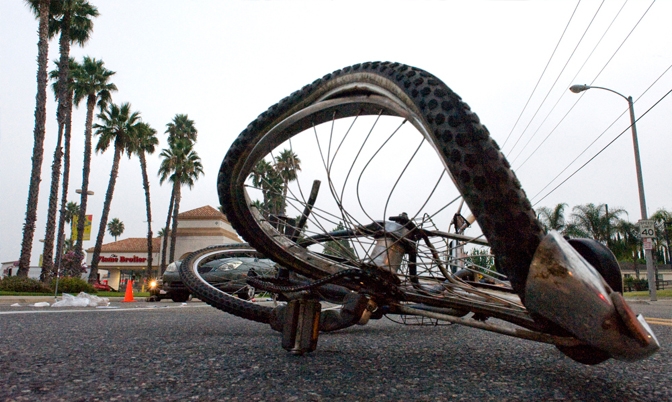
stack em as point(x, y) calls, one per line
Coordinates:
point(129, 292)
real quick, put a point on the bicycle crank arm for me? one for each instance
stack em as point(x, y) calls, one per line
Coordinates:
point(565, 289)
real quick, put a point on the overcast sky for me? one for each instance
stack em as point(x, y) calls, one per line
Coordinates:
point(225, 62)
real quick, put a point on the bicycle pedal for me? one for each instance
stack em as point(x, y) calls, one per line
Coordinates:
point(565, 289)
point(301, 326)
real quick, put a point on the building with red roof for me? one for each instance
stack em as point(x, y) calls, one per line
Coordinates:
point(196, 229)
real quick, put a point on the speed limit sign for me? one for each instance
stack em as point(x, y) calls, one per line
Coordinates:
point(647, 229)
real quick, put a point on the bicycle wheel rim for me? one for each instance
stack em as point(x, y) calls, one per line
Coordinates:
point(373, 92)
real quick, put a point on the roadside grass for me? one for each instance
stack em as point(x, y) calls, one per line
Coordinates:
point(662, 293)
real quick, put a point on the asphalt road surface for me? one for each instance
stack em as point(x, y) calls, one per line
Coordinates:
point(170, 352)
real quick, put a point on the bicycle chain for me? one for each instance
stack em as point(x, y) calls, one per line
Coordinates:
point(380, 285)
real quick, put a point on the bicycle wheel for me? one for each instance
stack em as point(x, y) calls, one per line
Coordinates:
point(228, 302)
point(385, 139)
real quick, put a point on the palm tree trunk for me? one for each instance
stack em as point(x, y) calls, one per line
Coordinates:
point(93, 274)
point(48, 252)
point(38, 134)
point(86, 169)
point(148, 207)
point(61, 117)
point(165, 231)
point(284, 197)
point(66, 180)
point(176, 211)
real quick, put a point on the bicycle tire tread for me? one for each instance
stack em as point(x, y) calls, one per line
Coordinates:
point(481, 171)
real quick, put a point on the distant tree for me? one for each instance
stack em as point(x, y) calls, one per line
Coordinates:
point(481, 260)
point(71, 210)
point(593, 221)
point(144, 141)
point(182, 134)
point(552, 219)
point(287, 164)
point(115, 228)
point(339, 248)
point(626, 245)
point(266, 178)
point(182, 166)
point(118, 123)
point(67, 137)
point(42, 14)
point(91, 82)
point(73, 20)
point(71, 265)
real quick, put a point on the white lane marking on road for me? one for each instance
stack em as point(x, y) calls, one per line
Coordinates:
point(93, 309)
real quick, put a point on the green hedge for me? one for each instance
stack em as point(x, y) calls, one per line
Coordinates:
point(30, 285)
point(631, 284)
point(72, 285)
point(22, 284)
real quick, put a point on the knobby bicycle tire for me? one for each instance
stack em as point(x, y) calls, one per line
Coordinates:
point(215, 297)
point(477, 166)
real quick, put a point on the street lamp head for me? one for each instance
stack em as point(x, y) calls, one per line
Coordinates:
point(578, 88)
point(79, 191)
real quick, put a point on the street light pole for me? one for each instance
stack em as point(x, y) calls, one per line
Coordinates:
point(648, 253)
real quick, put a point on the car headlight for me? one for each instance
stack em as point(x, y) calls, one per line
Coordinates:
point(153, 284)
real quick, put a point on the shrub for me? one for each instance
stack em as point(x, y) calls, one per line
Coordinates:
point(22, 284)
point(631, 284)
point(73, 285)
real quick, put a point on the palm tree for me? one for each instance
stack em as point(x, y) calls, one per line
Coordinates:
point(552, 219)
point(71, 210)
point(119, 125)
point(42, 13)
point(72, 18)
point(90, 82)
point(115, 228)
point(184, 129)
point(181, 165)
point(626, 246)
point(593, 221)
point(266, 178)
point(181, 128)
point(287, 164)
point(144, 142)
point(73, 67)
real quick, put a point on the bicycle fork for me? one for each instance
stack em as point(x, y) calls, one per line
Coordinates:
point(565, 289)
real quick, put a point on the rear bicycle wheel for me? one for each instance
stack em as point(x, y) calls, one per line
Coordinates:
point(227, 302)
point(384, 139)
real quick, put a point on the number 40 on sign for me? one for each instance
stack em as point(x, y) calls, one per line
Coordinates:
point(646, 229)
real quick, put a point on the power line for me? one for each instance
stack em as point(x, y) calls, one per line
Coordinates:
point(591, 82)
point(542, 74)
point(553, 86)
point(622, 43)
point(600, 136)
point(605, 147)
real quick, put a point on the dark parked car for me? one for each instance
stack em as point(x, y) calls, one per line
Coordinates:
point(226, 274)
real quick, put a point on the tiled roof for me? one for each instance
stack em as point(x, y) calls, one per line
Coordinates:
point(205, 212)
point(130, 245)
